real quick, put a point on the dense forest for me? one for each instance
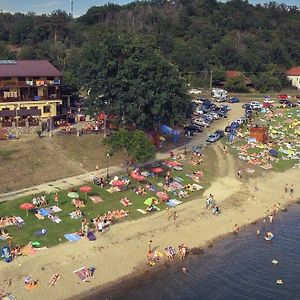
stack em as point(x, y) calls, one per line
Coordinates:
point(196, 35)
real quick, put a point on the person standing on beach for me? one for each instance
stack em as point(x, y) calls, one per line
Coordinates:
point(239, 173)
point(292, 190)
point(286, 188)
point(150, 246)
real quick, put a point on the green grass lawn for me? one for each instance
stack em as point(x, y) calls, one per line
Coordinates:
point(111, 201)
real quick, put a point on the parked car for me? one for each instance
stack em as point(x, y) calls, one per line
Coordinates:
point(255, 105)
point(213, 138)
point(195, 92)
point(234, 100)
point(220, 100)
point(287, 103)
point(225, 108)
point(246, 106)
point(193, 128)
point(220, 132)
point(201, 122)
point(283, 96)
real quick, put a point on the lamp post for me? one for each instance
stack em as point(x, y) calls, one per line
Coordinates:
point(107, 158)
point(17, 121)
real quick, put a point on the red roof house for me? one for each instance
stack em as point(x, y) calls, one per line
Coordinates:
point(293, 75)
point(294, 71)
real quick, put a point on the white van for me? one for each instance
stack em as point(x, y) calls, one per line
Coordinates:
point(219, 93)
point(195, 92)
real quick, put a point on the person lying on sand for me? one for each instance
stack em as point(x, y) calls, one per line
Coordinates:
point(54, 279)
point(30, 283)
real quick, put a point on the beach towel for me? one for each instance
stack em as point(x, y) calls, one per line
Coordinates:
point(54, 219)
point(20, 220)
point(113, 189)
point(96, 199)
point(72, 237)
point(43, 212)
point(40, 232)
point(82, 273)
point(197, 187)
point(125, 202)
point(173, 202)
point(49, 210)
point(91, 236)
point(28, 250)
point(3, 238)
point(142, 211)
point(55, 208)
point(39, 216)
point(162, 196)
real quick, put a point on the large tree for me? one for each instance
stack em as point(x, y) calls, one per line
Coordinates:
point(133, 144)
point(126, 78)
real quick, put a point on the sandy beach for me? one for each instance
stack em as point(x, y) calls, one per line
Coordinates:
point(122, 250)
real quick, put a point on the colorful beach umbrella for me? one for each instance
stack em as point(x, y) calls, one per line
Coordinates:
point(118, 183)
point(73, 195)
point(27, 206)
point(85, 189)
point(151, 200)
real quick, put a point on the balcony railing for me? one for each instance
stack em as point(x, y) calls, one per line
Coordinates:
point(29, 83)
point(30, 98)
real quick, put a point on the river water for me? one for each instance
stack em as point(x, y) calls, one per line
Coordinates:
point(235, 268)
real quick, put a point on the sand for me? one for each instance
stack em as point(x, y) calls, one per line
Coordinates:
point(122, 250)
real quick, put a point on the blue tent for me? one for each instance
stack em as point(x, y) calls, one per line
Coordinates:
point(167, 130)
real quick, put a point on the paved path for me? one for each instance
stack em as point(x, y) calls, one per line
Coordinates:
point(73, 181)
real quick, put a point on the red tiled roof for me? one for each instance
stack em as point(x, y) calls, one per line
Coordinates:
point(232, 74)
point(294, 71)
point(23, 68)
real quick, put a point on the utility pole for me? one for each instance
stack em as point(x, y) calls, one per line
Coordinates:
point(211, 78)
point(72, 7)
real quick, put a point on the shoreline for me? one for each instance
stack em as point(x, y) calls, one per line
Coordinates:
point(120, 254)
point(145, 270)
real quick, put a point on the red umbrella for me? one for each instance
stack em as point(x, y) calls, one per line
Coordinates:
point(118, 183)
point(85, 189)
point(27, 206)
point(157, 170)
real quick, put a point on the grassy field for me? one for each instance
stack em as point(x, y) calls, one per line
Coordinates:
point(91, 210)
point(32, 160)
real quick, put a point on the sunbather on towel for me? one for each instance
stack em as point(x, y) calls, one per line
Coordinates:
point(54, 279)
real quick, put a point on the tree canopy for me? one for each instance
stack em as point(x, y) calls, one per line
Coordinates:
point(134, 144)
point(133, 81)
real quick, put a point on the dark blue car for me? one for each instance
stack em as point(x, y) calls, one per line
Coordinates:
point(234, 100)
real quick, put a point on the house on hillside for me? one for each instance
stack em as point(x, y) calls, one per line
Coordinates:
point(30, 91)
point(232, 74)
point(293, 75)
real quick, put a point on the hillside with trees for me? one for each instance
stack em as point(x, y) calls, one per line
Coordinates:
point(196, 35)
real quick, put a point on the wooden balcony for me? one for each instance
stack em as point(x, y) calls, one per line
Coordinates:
point(29, 98)
point(33, 83)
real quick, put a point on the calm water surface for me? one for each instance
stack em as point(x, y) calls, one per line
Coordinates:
point(236, 268)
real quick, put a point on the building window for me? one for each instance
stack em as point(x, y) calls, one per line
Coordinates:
point(21, 79)
point(50, 78)
point(47, 109)
point(6, 78)
point(5, 108)
point(33, 107)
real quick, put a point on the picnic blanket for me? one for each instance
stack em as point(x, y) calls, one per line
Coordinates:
point(43, 212)
point(136, 176)
point(96, 199)
point(82, 273)
point(113, 189)
point(142, 211)
point(162, 196)
point(72, 237)
point(54, 219)
point(173, 202)
point(125, 202)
